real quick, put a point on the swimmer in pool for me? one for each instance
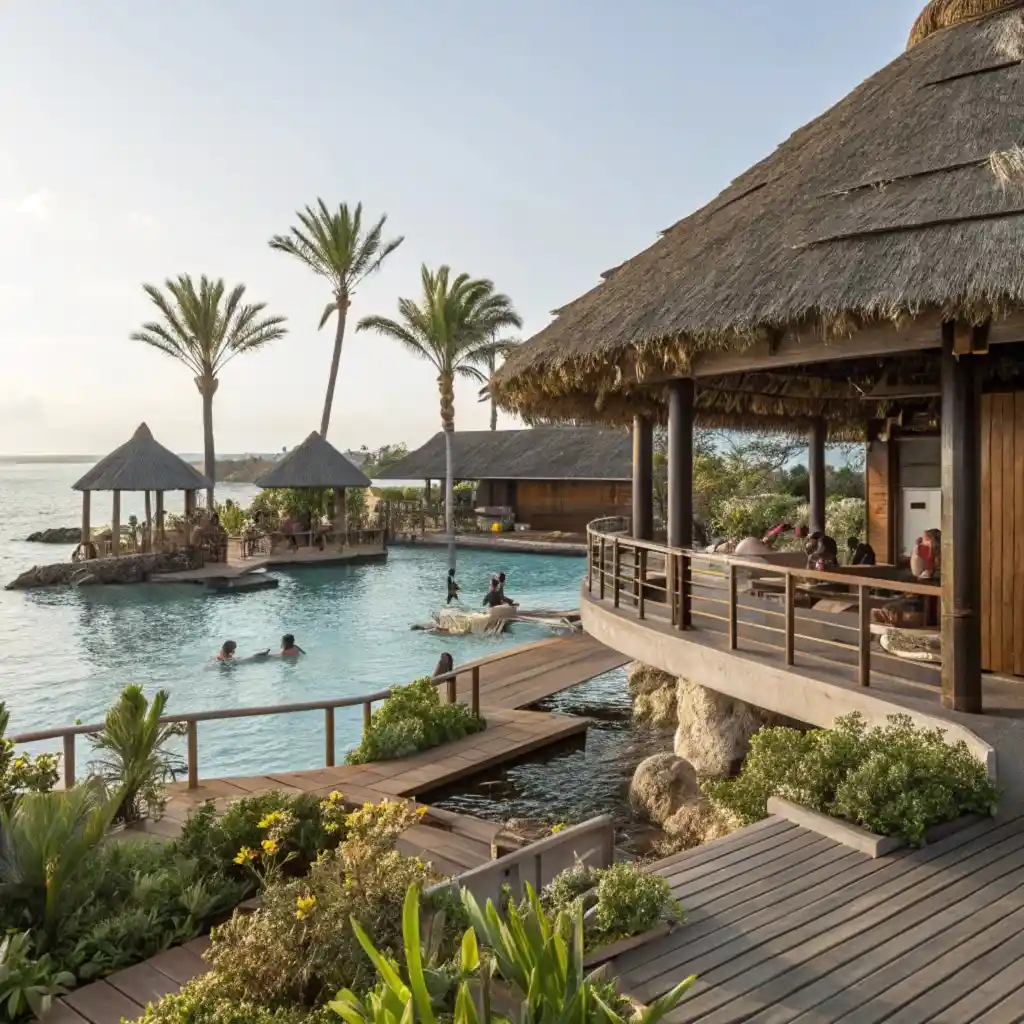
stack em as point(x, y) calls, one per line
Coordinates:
point(289, 648)
point(228, 651)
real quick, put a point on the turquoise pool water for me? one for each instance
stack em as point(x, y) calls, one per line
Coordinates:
point(67, 654)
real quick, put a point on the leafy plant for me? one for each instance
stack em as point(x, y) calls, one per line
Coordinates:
point(28, 985)
point(413, 718)
point(21, 773)
point(133, 755)
point(896, 780)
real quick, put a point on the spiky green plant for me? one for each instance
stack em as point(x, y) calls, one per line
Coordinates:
point(452, 327)
point(335, 246)
point(133, 755)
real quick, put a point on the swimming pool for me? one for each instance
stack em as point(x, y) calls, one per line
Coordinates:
point(68, 653)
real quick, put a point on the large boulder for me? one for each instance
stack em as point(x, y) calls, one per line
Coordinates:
point(56, 535)
point(714, 730)
point(661, 785)
point(654, 695)
point(99, 571)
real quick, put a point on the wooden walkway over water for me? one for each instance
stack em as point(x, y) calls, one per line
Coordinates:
point(784, 926)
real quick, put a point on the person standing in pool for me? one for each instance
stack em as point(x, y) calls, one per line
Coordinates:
point(453, 587)
point(493, 598)
point(501, 589)
point(289, 648)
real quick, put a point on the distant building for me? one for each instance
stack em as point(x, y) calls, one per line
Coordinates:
point(552, 478)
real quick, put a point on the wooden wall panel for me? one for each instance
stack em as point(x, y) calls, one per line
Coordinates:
point(986, 529)
point(569, 505)
point(880, 492)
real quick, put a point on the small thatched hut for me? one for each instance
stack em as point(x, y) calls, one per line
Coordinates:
point(865, 280)
point(140, 464)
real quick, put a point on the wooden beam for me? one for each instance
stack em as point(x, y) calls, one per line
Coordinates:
point(816, 473)
point(115, 525)
point(643, 478)
point(160, 531)
point(86, 525)
point(147, 539)
point(680, 463)
point(892, 392)
point(961, 524)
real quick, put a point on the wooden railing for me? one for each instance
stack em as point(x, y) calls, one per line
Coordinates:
point(755, 603)
point(592, 843)
point(69, 733)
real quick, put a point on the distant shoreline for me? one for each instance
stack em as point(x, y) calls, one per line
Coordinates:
point(191, 457)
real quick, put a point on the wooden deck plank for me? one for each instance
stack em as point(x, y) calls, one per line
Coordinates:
point(179, 964)
point(61, 1013)
point(1009, 1011)
point(977, 1004)
point(101, 1003)
point(142, 983)
point(749, 834)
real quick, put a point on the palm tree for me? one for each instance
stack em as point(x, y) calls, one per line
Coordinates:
point(205, 330)
point(335, 246)
point(499, 348)
point(451, 327)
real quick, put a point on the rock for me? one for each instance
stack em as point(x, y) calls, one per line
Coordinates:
point(714, 730)
point(128, 569)
point(56, 535)
point(696, 824)
point(662, 785)
point(654, 694)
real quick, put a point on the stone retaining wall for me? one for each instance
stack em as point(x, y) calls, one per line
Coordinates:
point(100, 571)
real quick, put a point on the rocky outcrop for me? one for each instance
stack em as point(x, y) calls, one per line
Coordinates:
point(102, 571)
point(654, 695)
point(56, 535)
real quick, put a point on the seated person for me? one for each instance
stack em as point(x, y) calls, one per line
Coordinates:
point(501, 589)
point(860, 553)
point(494, 598)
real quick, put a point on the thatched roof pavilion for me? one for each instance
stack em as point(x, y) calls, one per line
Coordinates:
point(899, 208)
point(864, 280)
point(314, 464)
point(140, 464)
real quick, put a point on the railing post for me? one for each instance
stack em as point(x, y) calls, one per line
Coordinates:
point(329, 737)
point(641, 581)
point(192, 734)
point(790, 610)
point(590, 562)
point(685, 592)
point(475, 701)
point(864, 636)
point(635, 565)
point(616, 562)
point(733, 639)
point(670, 585)
point(601, 577)
point(69, 759)
point(367, 715)
point(453, 689)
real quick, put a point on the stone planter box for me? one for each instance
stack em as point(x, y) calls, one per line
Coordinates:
point(854, 836)
point(617, 948)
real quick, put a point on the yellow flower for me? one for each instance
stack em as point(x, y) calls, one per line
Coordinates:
point(304, 905)
point(245, 855)
point(421, 811)
point(269, 845)
point(270, 819)
point(335, 797)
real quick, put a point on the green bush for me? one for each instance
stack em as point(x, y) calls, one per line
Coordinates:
point(28, 984)
point(413, 718)
point(20, 773)
point(753, 515)
point(896, 780)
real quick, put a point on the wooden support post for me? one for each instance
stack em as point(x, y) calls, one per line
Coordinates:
point(680, 463)
point(685, 589)
point(86, 509)
point(190, 505)
point(69, 759)
point(790, 610)
point(961, 529)
point(475, 701)
point(590, 563)
point(616, 564)
point(329, 737)
point(367, 716)
point(670, 587)
point(192, 736)
point(115, 525)
point(453, 689)
point(864, 636)
point(733, 625)
point(160, 532)
point(147, 537)
point(816, 473)
point(641, 582)
point(643, 478)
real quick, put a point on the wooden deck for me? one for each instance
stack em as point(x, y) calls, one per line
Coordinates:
point(784, 925)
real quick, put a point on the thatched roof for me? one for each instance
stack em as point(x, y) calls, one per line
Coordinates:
point(906, 198)
point(142, 464)
point(541, 453)
point(314, 463)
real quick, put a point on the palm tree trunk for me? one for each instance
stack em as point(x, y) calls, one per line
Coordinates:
point(208, 388)
point(447, 385)
point(332, 380)
point(492, 366)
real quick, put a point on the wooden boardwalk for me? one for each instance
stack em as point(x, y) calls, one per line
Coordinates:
point(784, 926)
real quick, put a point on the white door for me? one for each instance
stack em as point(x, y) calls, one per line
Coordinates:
point(921, 510)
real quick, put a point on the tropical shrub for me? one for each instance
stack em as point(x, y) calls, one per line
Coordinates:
point(753, 515)
point(895, 780)
point(413, 718)
point(28, 985)
point(296, 949)
point(133, 754)
point(20, 773)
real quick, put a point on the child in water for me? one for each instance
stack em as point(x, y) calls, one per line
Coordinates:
point(453, 587)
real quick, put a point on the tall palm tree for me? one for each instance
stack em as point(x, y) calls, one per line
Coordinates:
point(205, 329)
point(487, 366)
point(451, 326)
point(335, 246)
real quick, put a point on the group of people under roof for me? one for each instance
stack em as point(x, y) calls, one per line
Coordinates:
point(821, 550)
point(494, 598)
point(289, 649)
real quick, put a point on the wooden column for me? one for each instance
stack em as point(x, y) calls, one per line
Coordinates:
point(643, 478)
point(160, 518)
point(115, 525)
point(961, 526)
point(190, 503)
point(86, 509)
point(816, 473)
point(340, 519)
point(680, 463)
point(147, 536)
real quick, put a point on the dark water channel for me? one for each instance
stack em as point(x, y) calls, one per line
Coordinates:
point(576, 780)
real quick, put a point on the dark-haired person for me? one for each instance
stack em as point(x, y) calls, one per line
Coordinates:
point(453, 587)
point(289, 648)
point(501, 589)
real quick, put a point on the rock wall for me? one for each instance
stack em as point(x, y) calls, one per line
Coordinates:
point(101, 571)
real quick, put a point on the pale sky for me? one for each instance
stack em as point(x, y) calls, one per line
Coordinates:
point(537, 143)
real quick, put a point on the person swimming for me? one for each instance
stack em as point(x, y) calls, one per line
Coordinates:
point(229, 649)
point(453, 587)
point(289, 648)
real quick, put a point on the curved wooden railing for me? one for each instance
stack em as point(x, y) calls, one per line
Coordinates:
point(69, 733)
point(754, 602)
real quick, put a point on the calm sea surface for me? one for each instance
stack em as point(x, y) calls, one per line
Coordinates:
point(66, 654)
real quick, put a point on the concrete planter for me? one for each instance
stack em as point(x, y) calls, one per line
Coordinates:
point(854, 836)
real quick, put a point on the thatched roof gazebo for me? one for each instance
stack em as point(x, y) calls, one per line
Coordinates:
point(140, 464)
point(865, 280)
